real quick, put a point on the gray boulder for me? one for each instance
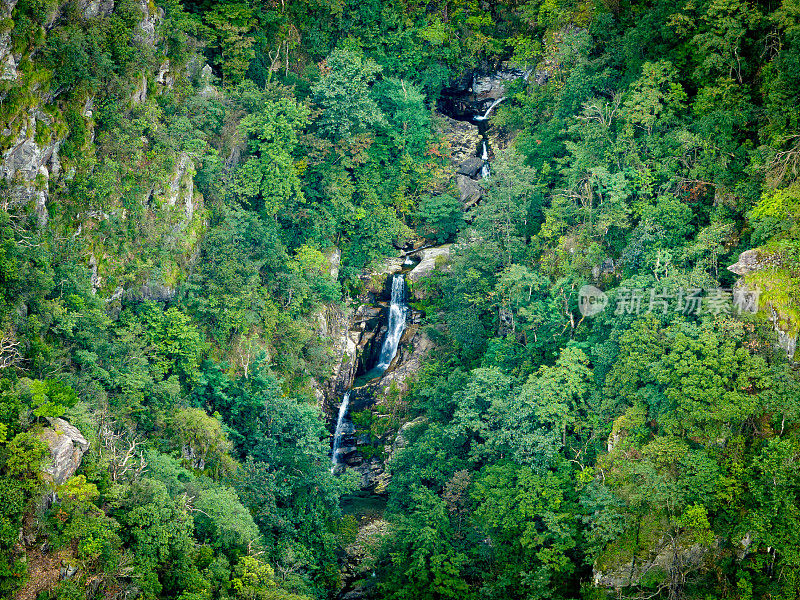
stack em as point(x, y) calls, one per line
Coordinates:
point(427, 263)
point(462, 137)
point(67, 447)
point(470, 167)
point(469, 190)
point(753, 260)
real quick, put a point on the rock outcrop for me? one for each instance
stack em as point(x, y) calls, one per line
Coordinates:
point(206, 80)
point(8, 64)
point(463, 138)
point(472, 95)
point(146, 30)
point(411, 354)
point(67, 447)
point(754, 260)
point(469, 190)
point(760, 277)
point(96, 8)
point(470, 167)
point(28, 163)
point(662, 559)
point(180, 190)
point(429, 257)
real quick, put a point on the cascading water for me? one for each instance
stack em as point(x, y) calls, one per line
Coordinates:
point(397, 323)
point(337, 435)
point(488, 110)
point(485, 171)
point(398, 312)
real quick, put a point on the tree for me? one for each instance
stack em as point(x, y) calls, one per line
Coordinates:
point(221, 519)
point(204, 444)
point(441, 217)
point(269, 180)
point(526, 295)
point(424, 563)
point(231, 22)
point(158, 530)
point(656, 98)
point(480, 409)
point(538, 418)
point(502, 214)
point(721, 41)
point(407, 116)
point(529, 525)
point(343, 94)
point(255, 580)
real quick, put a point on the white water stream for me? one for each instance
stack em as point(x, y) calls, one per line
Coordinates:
point(398, 312)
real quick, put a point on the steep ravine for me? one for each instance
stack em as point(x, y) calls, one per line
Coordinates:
point(374, 424)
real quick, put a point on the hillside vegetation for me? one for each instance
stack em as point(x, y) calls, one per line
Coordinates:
point(188, 186)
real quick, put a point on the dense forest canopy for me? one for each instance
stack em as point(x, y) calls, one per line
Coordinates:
point(195, 193)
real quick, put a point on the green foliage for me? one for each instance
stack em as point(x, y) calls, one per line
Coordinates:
point(441, 217)
point(656, 97)
point(231, 24)
point(425, 565)
point(343, 94)
point(203, 441)
point(223, 521)
point(528, 521)
point(269, 179)
point(650, 144)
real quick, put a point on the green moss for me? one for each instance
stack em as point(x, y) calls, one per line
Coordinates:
point(780, 290)
point(634, 542)
point(60, 129)
point(377, 282)
point(43, 133)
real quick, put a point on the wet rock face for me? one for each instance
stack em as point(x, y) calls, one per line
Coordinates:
point(464, 141)
point(372, 396)
point(67, 447)
point(463, 138)
point(411, 355)
point(474, 93)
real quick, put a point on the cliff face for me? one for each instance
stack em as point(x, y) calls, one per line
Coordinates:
point(763, 272)
point(95, 155)
point(378, 415)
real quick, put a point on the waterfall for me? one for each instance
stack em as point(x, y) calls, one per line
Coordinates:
point(488, 110)
point(337, 436)
point(485, 172)
point(398, 310)
point(397, 323)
